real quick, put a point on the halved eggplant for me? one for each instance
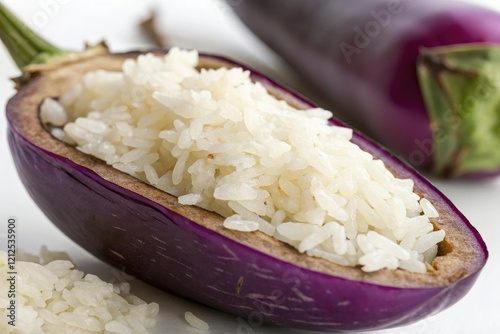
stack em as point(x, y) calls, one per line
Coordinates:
point(187, 251)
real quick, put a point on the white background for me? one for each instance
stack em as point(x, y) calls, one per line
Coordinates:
point(210, 26)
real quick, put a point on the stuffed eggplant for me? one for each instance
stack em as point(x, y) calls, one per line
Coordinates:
point(182, 240)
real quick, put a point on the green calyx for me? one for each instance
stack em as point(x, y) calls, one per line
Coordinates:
point(461, 88)
point(24, 45)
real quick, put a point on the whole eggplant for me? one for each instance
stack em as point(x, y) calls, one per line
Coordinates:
point(186, 250)
point(417, 76)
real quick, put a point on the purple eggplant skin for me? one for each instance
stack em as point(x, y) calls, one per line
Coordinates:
point(362, 56)
point(139, 228)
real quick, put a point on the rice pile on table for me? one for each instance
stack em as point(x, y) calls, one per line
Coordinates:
point(56, 298)
point(217, 140)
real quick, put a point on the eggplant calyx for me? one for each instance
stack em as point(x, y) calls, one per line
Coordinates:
point(460, 87)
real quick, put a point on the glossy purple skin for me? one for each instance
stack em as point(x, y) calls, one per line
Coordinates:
point(378, 90)
point(182, 257)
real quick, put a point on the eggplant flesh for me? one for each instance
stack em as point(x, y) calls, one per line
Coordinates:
point(187, 251)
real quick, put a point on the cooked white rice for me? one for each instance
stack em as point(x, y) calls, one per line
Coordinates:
point(56, 298)
point(217, 140)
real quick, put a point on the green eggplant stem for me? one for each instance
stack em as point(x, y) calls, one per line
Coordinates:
point(460, 85)
point(24, 45)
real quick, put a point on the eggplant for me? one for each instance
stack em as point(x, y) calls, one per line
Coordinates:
point(417, 76)
point(186, 250)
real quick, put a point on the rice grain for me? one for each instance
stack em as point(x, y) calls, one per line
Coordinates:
point(196, 322)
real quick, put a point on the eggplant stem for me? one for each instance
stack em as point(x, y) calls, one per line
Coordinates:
point(24, 45)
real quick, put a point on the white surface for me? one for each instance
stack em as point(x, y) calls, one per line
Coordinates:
point(210, 26)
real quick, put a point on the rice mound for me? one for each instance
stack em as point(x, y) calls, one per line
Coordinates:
point(56, 298)
point(217, 140)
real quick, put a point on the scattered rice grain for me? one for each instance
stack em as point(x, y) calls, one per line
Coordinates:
point(196, 322)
